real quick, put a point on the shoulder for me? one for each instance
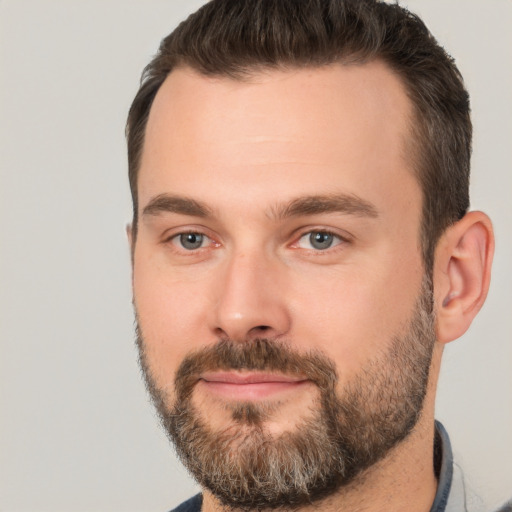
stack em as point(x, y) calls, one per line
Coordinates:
point(191, 505)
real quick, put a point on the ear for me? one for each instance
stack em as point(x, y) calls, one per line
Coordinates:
point(129, 235)
point(462, 273)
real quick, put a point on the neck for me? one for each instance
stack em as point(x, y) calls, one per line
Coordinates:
point(404, 477)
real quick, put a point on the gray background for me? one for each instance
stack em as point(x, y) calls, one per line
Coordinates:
point(76, 430)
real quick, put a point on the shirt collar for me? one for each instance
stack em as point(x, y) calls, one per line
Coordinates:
point(443, 463)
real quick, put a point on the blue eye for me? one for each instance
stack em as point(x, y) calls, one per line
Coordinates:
point(191, 241)
point(318, 240)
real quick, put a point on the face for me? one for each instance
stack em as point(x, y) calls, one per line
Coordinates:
point(277, 268)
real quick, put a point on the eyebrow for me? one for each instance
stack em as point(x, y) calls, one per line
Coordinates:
point(301, 206)
point(332, 203)
point(165, 203)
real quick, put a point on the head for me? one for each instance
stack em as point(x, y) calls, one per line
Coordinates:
point(300, 242)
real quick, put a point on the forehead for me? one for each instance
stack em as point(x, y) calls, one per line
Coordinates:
point(302, 129)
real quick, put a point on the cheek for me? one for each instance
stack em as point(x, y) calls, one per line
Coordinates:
point(352, 315)
point(170, 315)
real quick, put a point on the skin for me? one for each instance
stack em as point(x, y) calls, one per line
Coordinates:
point(247, 150)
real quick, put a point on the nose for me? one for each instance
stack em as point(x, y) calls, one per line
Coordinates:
point(250, 299)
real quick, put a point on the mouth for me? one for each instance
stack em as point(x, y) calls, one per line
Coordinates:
point(248, 386)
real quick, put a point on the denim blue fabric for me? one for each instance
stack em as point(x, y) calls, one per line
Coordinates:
point(191, 505)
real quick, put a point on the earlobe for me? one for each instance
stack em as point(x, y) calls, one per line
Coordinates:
point(462, 273)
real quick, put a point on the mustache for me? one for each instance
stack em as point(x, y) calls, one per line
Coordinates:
point(260, 354)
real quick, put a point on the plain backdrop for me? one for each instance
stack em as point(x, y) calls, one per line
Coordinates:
point(76, 430)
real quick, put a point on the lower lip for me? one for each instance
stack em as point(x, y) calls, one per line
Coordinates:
point(252, 391)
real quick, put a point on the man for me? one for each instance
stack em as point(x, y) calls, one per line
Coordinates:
point(302, 252)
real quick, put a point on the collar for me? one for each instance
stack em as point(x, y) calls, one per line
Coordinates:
point(453, 495)
point(443, 466)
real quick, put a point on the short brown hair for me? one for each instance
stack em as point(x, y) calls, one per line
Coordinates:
point(235, 38)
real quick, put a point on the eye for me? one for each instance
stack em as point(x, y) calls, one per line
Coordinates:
point(190, 241)
point(318, 240)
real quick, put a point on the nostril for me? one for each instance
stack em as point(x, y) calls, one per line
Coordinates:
point(261, 328)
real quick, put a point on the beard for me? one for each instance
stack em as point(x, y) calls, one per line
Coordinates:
point(337, 439)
